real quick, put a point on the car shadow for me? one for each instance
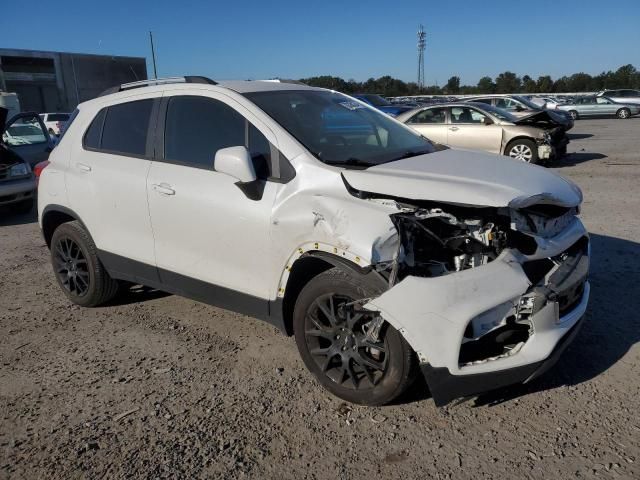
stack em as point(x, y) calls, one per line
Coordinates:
point(130, 294)
point(9, 218)
point(579, 136)
point(611, 327)
point(575, 158)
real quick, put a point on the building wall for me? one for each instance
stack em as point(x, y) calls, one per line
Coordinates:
point(56, 81)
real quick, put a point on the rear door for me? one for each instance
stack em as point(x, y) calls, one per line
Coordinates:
point(432, 123)
point(468, 129)
point(27, 136)
point(106, 182)
point(211, 239)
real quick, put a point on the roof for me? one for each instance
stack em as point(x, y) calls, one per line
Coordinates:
point(250, 86)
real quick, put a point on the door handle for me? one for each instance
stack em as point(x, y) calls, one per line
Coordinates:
point(84, 167)
point(164, 189)
point(453, 129)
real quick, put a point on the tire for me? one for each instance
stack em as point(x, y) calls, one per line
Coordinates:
point(77, 269)
point(23, 207)
point(523, 149)
point(338, 354)
point(574, 114)
point(623, 113)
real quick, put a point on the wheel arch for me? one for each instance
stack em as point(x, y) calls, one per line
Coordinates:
point(515, 139)
point(55, 215)
point(307, 266)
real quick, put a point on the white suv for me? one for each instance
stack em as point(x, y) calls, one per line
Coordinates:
point(306, 208)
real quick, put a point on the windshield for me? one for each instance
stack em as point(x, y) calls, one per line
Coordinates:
point(527, 102)
point(339, 130)
point(375, 100)
point(497, 112)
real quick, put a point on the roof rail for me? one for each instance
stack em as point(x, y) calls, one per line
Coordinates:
point(158, 81)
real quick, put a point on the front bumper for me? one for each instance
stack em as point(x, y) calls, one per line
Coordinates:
point(13, 191)
point(446, 387)
point(433, 314)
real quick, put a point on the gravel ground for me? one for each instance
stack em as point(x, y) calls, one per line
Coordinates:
point(157, 386)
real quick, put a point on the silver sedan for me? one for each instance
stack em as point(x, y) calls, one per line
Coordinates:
point(599, 107)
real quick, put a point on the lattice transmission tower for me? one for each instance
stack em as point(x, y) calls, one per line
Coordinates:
point(422, 42)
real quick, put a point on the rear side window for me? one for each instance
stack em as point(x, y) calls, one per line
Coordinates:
point(197, 127)
point(126, 126)
point(120, 129)
point(432, 115)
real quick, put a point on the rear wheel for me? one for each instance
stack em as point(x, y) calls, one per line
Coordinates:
point(574, 114)
point(524, 150)
point(337, 345)
point(77, 268)
point(623, 113)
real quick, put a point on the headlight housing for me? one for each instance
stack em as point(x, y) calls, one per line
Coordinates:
point(19, 170)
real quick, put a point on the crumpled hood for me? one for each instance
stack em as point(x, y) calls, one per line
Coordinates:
point(467, 178)
point(543, 116)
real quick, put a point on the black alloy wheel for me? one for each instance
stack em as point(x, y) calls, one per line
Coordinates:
point(70, 266)
point(336, 337)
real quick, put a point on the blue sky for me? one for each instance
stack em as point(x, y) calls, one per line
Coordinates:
point(351, 39)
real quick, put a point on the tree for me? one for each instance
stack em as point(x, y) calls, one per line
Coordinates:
point(508, 82)
point(453, 85)
point(529, 84)
point(486, 85)
point(545, 84)
point(627, 76)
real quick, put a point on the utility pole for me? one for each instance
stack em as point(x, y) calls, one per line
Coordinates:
point(153, 56)
point(422, 42)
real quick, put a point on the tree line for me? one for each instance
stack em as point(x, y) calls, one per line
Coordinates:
point(507, 82)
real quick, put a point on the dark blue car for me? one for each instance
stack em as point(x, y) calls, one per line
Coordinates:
point(381, 104)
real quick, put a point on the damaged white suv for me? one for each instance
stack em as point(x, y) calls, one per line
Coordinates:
point(383, 254)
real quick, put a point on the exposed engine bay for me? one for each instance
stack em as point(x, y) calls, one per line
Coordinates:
point(438, 240)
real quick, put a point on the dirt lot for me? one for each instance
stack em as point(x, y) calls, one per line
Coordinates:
point(157, 386)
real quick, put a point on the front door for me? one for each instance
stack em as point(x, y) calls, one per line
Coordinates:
point(469, 128)
point(211, 239)
point(27, 136)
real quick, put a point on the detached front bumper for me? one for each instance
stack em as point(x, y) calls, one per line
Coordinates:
point(435, 314)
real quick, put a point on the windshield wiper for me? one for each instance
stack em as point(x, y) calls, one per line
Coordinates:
point(351, 161)
point(410, 153)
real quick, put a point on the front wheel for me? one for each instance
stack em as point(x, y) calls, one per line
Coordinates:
point(524, 150)
point(337, 345)
point(623, 113)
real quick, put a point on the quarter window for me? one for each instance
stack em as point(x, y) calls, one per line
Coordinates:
point(94, 132)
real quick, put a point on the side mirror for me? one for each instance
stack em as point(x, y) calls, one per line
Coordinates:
point(488, 121)
point(519, 108)
point(235, 162)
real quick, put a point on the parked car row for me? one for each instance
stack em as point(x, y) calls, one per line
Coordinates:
point(383, 254)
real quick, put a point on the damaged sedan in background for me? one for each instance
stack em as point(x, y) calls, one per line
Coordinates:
point(535, 138)
point(382, 253)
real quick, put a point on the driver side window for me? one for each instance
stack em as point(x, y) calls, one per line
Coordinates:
point(197, 127)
